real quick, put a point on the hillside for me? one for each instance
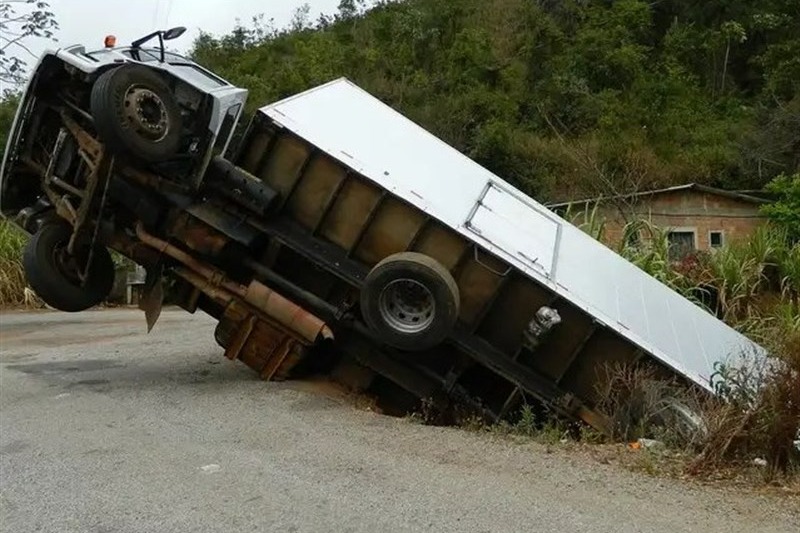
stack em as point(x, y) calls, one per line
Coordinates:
point(561, 98)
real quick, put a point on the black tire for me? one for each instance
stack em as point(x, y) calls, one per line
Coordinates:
point(57, 284)
point(135, 113)
point(684, 423)
point(410, 301)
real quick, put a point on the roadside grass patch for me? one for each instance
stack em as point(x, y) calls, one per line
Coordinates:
point(14, 291)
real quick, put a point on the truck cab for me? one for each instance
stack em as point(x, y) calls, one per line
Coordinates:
point(93, 126)
point(156, 109)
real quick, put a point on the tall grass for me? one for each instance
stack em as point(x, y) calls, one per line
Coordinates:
point(12, 277)
point(789, 268)
point(14, 291)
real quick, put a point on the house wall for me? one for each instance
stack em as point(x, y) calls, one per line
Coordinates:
point(698, 211)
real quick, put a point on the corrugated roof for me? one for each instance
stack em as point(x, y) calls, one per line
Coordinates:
point(689, 186)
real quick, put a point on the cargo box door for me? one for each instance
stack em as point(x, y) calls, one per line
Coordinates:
point(516, 227)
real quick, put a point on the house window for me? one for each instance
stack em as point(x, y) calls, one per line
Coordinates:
point(681, 244)
point(715, 239)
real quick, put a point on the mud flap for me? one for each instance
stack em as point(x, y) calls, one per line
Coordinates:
point(152, 299)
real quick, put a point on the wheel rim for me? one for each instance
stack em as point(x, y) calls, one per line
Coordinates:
point(691, 422)
point(146, 113)
point(67, 264)
point(407, 306)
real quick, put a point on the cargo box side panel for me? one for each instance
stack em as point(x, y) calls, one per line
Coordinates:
point(647, 312)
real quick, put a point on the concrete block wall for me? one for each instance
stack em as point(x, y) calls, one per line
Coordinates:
point(697, 211)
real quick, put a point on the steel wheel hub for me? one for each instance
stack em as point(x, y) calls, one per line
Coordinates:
point(407, 305)
point(67, 264)
point(146, 112)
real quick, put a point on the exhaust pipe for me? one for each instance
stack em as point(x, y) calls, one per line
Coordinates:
point(285, 312)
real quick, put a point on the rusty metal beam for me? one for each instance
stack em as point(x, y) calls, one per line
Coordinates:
point(272, 304)
point(498, 290)
point(512, 400)
point(420, 231)
point(266, 156)
point(522, 376)
point(312, 156)
point(334, 260)
point(469, 250)
point(240, 338)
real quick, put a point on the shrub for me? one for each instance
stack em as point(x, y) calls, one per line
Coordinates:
point(12, 277)
point(760, 413)
point(785, 211)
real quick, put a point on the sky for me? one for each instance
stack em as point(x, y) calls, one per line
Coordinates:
point(87, 22)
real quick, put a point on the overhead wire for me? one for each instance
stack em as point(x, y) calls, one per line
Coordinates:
point(155, 13)
point(169, 12)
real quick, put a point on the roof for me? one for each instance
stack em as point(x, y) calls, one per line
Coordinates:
point(388, 149)
point(736, 195)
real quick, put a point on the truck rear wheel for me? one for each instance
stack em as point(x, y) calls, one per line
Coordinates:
point(410, 301)
point(54, 274)
point(135, 113)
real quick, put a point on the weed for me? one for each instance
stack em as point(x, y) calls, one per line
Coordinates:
point(760, 415)
point(13, 287)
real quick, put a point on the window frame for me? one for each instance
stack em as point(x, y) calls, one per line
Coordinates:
point(684, 229)
point(721, 239)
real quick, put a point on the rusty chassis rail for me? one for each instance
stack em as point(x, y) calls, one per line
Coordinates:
point(271, 304)
point(100, 167)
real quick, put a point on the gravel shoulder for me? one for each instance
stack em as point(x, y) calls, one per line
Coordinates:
point(106, 429)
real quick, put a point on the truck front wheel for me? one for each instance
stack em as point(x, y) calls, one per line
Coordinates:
point(135, 113)
point(410, 301)
point(55, 275)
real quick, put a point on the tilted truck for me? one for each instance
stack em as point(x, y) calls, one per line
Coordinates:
point(333, 220)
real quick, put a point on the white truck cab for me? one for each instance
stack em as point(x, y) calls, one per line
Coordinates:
point(157, 106)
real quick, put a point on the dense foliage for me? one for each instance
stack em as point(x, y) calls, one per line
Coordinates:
point(563, 98)
point(785, 210)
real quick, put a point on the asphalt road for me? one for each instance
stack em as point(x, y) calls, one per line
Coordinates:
point(106, 429)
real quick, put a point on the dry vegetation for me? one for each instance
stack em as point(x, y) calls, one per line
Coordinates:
point(13, 288)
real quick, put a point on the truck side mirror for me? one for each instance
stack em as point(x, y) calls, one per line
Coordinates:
point(173, 33)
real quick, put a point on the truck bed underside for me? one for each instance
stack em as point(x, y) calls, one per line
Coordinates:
point(331, 226)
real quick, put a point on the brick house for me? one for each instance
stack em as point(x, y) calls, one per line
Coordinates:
point(696, 217)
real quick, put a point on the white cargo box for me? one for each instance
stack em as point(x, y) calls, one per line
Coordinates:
point(372, 139)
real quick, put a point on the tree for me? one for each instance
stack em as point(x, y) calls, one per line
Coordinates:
point(8, 108)
point(349, 9)
point(563, 99)
point(785, 211)
point(20, 20)
point(300, 18)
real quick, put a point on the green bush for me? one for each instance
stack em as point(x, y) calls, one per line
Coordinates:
point(785, 210)
point(12, 277)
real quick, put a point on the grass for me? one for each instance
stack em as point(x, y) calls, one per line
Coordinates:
point(14, 291)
